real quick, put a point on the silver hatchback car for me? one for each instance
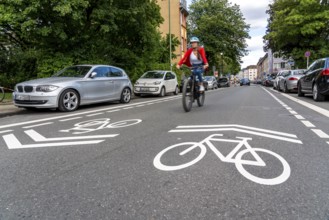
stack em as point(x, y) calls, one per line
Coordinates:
point(75, 86)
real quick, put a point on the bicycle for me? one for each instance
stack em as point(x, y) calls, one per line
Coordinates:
point(237, 160)
point(99, 124)
point(190, 92)
point(2, 94)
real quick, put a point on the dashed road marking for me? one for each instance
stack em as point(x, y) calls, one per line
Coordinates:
point(116, 110)
point(70, 119)
point(39, 125)
point(308, 124)
point(293, 112)
point(299, 117)
point(95, 114)
point(128, 108)
point(320, 133)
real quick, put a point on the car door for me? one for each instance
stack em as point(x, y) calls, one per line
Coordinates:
point(307, 82)
point(119, 81)
point(168, 82)
point(99, 87)
point(284, 77)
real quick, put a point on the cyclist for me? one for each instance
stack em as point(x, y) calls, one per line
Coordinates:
point(195, 57)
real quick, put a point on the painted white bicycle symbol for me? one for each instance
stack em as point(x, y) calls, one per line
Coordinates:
point(238, 161)
point(98, 124)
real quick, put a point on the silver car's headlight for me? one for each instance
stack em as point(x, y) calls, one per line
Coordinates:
point(46, 88)
point(157, 83)
point(136, 83)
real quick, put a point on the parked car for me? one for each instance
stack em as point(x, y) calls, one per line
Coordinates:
point(245, 81)
point(315, 80)
point(268, 81)
point(156, 82)
point(212, 82)
point(224, 82)
point(75, 86)
point(205, 84)
point(288, 81)
point(278, 77)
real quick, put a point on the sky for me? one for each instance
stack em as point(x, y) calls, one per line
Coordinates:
point(255, 14)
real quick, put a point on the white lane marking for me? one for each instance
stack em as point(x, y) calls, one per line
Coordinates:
point(116, 110)
point(299, 117)
point(76, 114)
point(6, 131)
point(308, 124)
point(138, 106)
point(238, 126)
point(308, 105)
point(320, 133)
point(288, 108)
point(293, 112)
point(328, 142)
point(39, 125)
point(128, 108)
point(39, 138)
point(243, 131)
point(70, 119)
point(95, 114)
point(13, 143)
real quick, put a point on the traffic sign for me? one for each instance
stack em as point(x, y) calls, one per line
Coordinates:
point(307, 53)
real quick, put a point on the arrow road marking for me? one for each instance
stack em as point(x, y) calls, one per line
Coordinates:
point(205, 128)
point(13, 143)
point(39, 138)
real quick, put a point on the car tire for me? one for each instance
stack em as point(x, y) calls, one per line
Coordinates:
point(162, 92)
point(69, 101)
point(299, 90)
point(125, 95)
point(285, 89)
point(316, 95)
point(176, 91)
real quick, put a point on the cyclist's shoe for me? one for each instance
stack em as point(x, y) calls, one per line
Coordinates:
point(201, 89)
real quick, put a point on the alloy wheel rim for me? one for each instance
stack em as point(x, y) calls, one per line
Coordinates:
point(315, 91)
point(126, 95)
point(70, 100)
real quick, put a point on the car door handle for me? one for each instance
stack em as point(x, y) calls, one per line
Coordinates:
point(111, 81)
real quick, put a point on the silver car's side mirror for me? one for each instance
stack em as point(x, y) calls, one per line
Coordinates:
point(93, 74)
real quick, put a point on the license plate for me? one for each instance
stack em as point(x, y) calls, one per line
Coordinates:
point(144, 89)
point(22, 97)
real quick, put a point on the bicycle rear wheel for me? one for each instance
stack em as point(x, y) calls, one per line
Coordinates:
point(2, 94)
point(187, 95)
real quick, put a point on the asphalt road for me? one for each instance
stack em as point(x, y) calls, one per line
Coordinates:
point(249, 153)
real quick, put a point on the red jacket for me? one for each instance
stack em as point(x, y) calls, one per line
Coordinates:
point(186, 59)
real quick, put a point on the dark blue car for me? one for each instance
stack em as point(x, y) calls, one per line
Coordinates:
point(315, 80)
point(245, 82)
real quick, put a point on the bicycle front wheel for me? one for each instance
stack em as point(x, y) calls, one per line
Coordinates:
point(274, 181)
point(201, 99)
point(187, 95)
point(124, 123)
point(2, 94)
point(189, 147)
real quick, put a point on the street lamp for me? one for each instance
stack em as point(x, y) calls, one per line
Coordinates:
point(222, 72)
point(169, 36)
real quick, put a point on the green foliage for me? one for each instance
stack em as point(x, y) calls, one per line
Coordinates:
point(297, 26)
point(222, 29)
point(39, 37)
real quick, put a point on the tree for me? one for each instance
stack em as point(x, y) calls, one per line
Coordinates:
point(297, 26)
point(51, 34)
point(222, 29)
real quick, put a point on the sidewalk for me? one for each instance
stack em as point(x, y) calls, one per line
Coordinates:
point(8, 108)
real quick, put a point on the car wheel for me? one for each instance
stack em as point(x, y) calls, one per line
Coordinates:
point(316, 94)
point(162, 92)
point(125, 96)
point(68, 101)
point(285, 90)
point(299, 88)
point(176, 91)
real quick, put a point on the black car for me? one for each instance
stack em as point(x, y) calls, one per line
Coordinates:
point(224, 82)
point(315, 80)
point(245, 81)
point(205, 84)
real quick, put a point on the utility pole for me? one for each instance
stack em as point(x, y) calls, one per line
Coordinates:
point(170, 55)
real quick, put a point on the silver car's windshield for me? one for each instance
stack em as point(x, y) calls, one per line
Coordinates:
point(208, 78)
point(73, 71)
point(153, 75)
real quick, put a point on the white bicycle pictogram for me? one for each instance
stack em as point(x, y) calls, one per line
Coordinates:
point(98, 124)
point(237, 160)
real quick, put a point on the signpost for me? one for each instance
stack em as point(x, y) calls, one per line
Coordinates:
point(307, 55)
